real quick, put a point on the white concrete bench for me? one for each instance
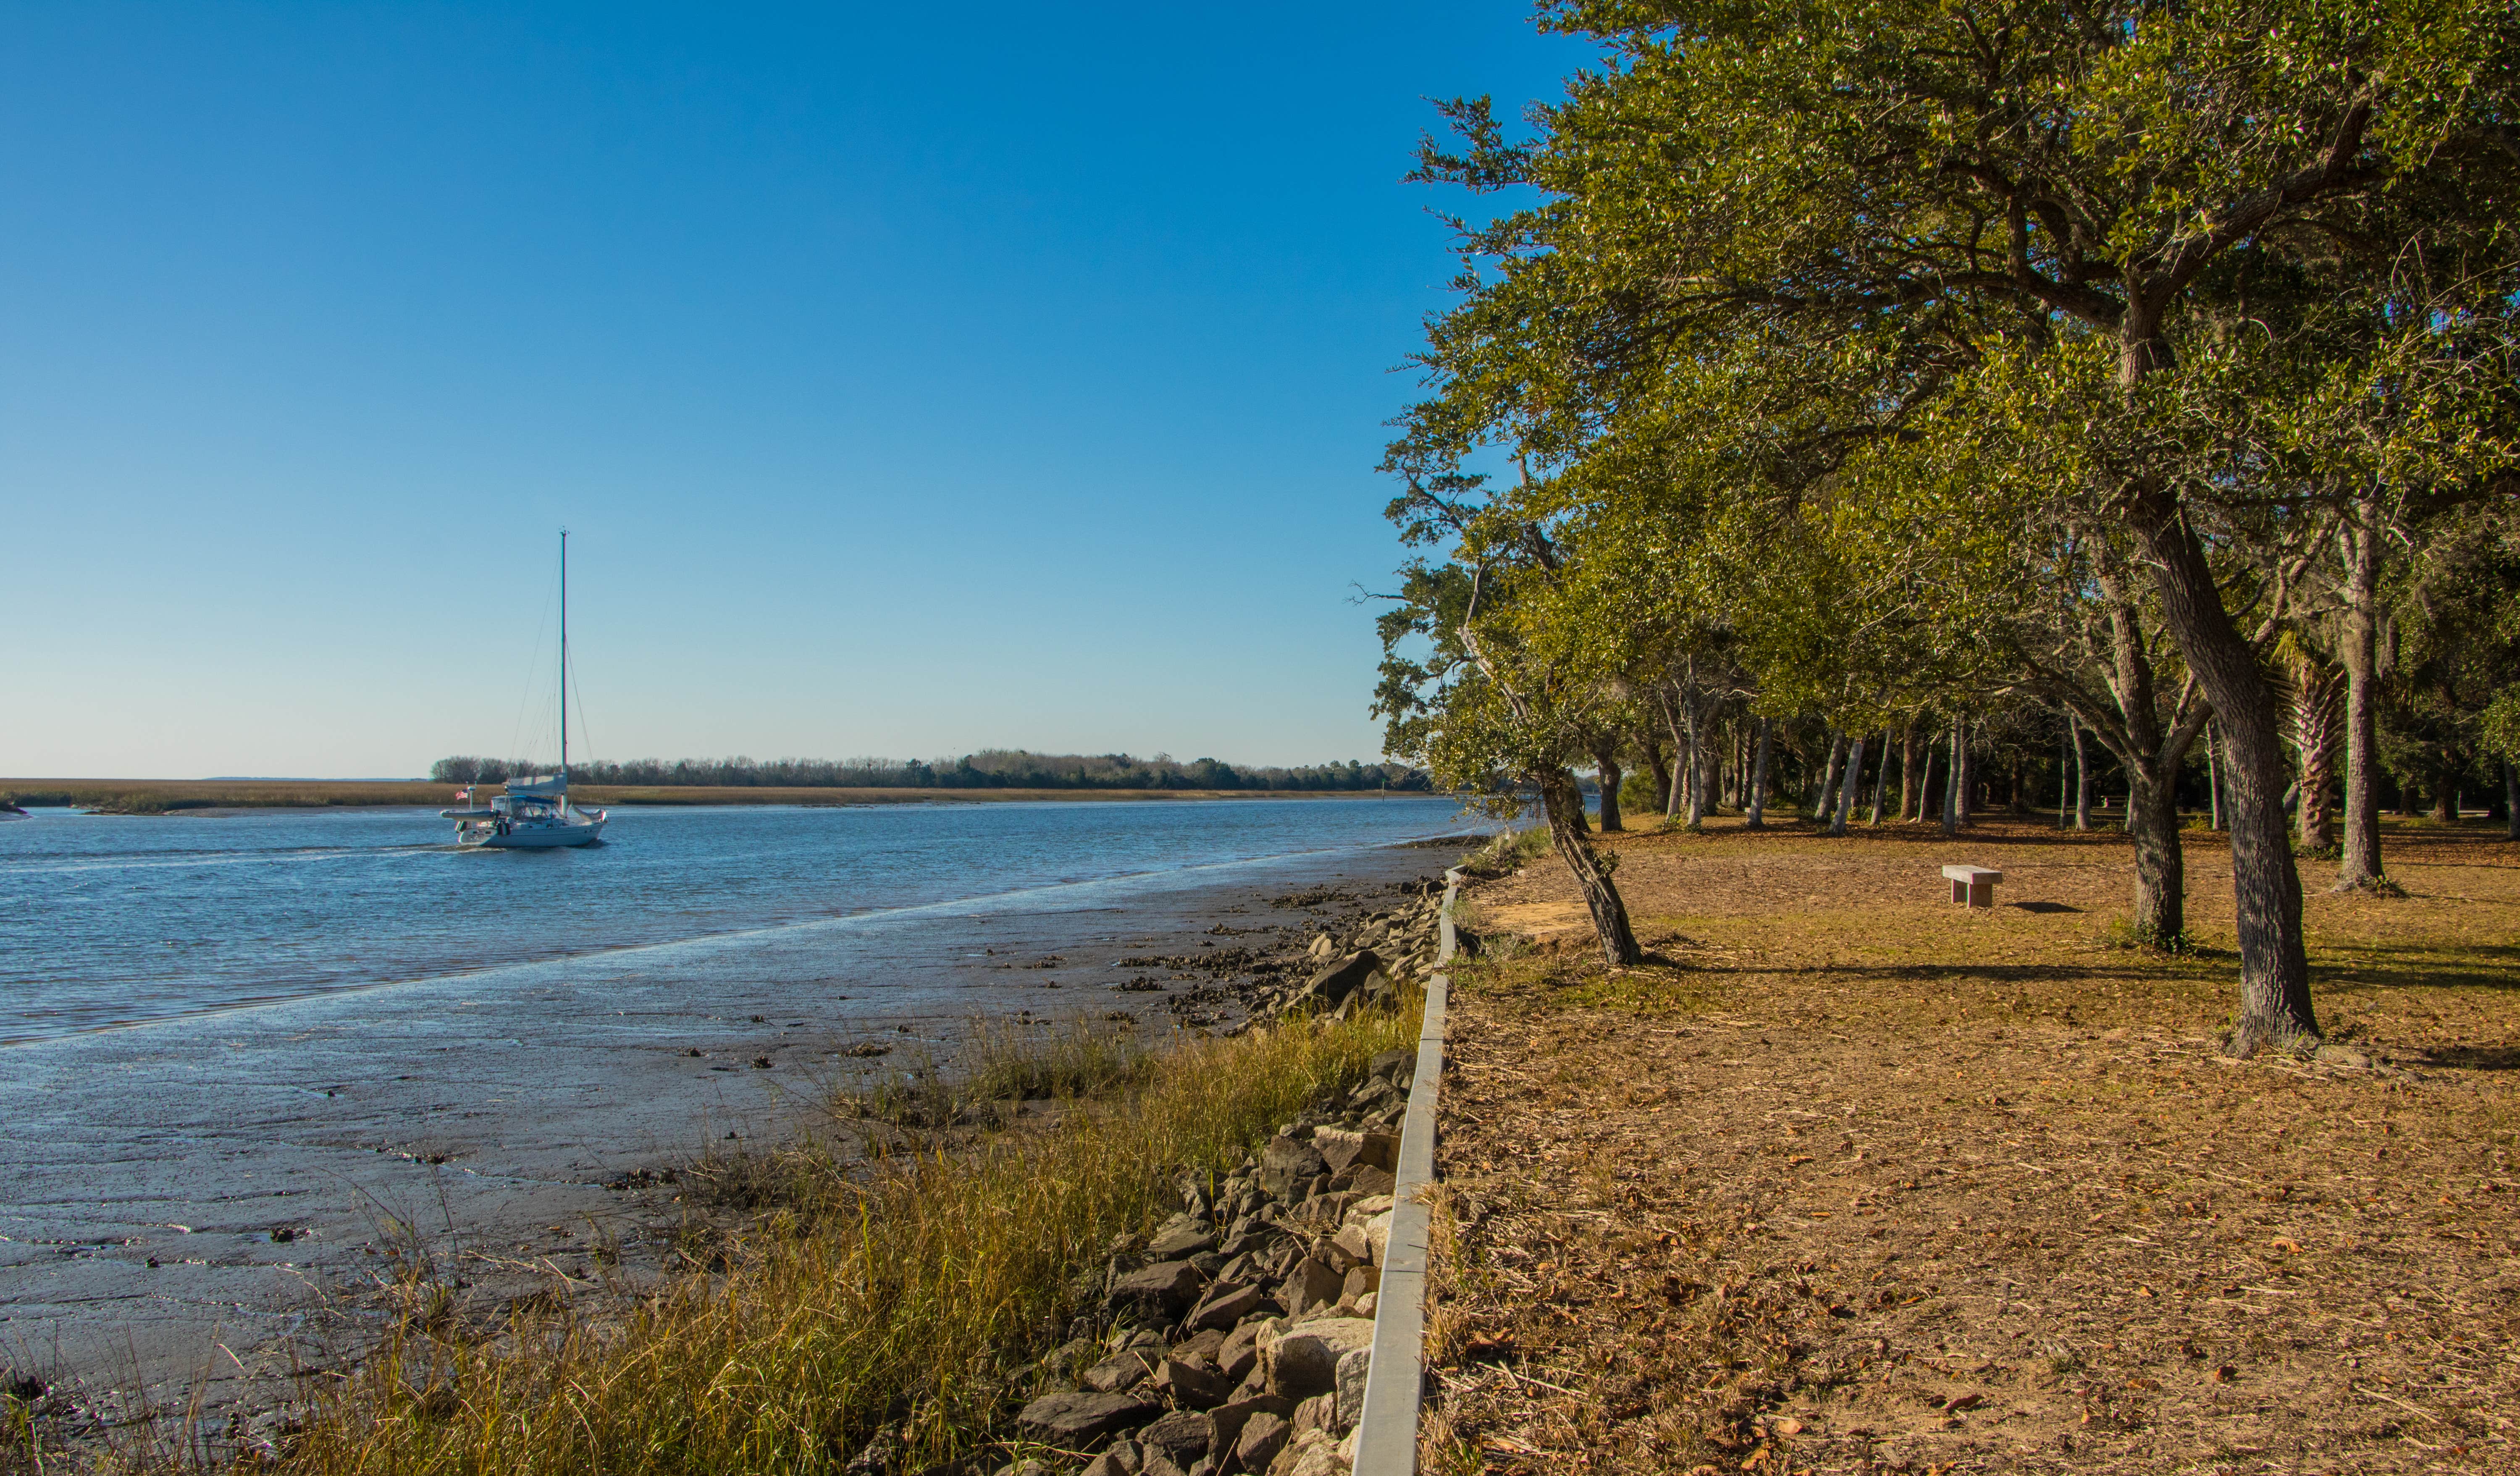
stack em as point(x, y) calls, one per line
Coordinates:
point(1973, 884)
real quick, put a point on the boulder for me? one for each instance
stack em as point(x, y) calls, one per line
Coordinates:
point(1180, 1437)
point(1225, 1306)
point(1118, 1373)
point(1289, 1164)
point(1361, 1282)
point(1343, 1148)
point(1395, 1066)
point(1378, 1237)
point(1122, 1459)
point(1226, 1421)
point(1081, 1418)
point(1314, 1452)
point(1242, 1351)
point(1181, 1238)
point(1264, 1435)
point(1301, 1359)
point(1353, 1365)
point(1352, 1243)
point(1193, 1386)
point(1317, 1413)
point(1202, 1347)
point(1311, 1285)
point(1169, 1284)
point(1333, 986)
point(1366, 1179)
point(1339, 1147)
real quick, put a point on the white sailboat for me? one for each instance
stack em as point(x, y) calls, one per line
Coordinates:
point(534, 813)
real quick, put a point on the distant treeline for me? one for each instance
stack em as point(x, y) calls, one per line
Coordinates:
point(989, 769)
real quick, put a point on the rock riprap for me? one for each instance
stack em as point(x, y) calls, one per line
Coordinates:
point(1235, 1338)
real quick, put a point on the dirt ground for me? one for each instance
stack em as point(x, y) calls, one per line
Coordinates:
point(1848, 1179)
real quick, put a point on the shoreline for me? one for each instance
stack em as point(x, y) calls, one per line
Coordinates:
point(213, 798)
point(287, 1153)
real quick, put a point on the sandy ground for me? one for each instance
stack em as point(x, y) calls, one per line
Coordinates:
point(1850, 1180)
point(198, 1211)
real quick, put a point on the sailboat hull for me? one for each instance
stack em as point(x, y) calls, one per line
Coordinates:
point(536, 837)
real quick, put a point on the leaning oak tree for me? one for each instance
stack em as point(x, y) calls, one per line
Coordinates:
point(1483, 707)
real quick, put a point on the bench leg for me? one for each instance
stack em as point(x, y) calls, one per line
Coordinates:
point(1960, 890)
point(1982, 894)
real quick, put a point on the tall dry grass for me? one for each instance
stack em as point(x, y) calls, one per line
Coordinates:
point(914, 1298)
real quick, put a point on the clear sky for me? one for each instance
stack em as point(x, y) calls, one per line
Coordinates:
point(1009, 378)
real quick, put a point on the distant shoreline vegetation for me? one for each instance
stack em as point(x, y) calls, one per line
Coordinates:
point(988, 768)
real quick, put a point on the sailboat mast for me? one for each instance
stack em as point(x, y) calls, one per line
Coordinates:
point(563, 654)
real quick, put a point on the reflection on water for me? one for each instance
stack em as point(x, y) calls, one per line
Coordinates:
point(111, 920)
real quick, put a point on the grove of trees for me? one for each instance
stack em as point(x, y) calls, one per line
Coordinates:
point(988, 768)
point(1848, 385)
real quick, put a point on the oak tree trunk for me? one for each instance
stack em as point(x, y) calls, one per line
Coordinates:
point(1562, 799)
point(1909, 796)
point(1756, 810)
point(2160, 872)
point(1819, 804)
point(2081, 784)
point(1605, 764)
point(1655, 761)
point(1701, 768)
point(1951, 778)
point(2275, 1009)
point(2511, 800)
point(1681, 751)
point(1848, 787)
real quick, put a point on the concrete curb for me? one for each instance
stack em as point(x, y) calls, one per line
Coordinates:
point(1386, 1429)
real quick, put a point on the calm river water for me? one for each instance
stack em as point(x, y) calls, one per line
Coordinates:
point(108, 920)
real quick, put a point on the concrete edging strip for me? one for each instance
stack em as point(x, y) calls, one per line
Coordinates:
point(1386, 1429)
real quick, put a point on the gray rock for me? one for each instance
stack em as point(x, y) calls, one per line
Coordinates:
point(1193, 1386)
point(1241, 1352)
point(1122, 1459)
point(1169, 1284)
point(1314, 1452)
point(1332, 987)
point(1181, 1238)
point(1264, 1435)
point(1317, 1413)
point(1301, 1359)
point(1224, 1307)
point(1202, 1347)
point(1353, 1365)
point(1180, 1437)
point(1075, 1420)
point(1366, 1179)
point(1225, 1420)
point(1289, 1164)
point(1311, 1285)
point(1118, 1373)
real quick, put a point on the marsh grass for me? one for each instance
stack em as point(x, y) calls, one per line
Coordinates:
point(909, 1296)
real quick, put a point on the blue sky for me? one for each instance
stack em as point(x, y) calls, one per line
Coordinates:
point(1012, 380)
